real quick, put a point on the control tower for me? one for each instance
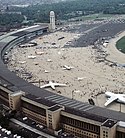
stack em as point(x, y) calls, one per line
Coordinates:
point(52, 22)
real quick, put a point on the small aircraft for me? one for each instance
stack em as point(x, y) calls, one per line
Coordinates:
point(77, 91)
point(22, 62)
point(65, 67)
point(31, 57)
point(114, 97)
point(49, 60)
point(52, 85)
point(81, 78)
point(39, 52)
point(46, 71)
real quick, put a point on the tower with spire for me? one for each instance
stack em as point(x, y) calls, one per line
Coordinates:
point(52, 25)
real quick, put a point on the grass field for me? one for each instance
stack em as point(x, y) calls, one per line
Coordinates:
point(121, 44)
point(93, 17)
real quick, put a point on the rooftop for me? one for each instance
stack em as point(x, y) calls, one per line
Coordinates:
point(85, 114)
point(19, 33)
point(109, 123)
point(121, 123)
point(40, 100)
point(55, 107)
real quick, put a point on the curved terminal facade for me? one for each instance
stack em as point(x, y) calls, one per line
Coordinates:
point(54, 111)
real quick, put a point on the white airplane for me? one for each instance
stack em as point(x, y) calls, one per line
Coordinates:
point(114, 97)
point(46, 71)
point(52, 85)
point(22, 62)
point(81, 78)
point(39, 52)
point(67, 67)
point(31, 57)
point(77, 91)
point(49, 60)
point(59, 53)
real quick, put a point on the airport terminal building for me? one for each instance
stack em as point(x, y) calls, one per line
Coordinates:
point(56, 112)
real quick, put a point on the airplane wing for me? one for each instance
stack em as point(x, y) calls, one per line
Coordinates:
point(59, 84)
point(52, 85)
point(46, 85)
point(64, 68)
point(110, 100)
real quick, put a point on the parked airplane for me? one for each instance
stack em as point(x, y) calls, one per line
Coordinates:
point(46, 71)
point(76, 91)
point(39, 52)
point(31, 57)
point(114, 97)
point(52, 85)
point(120, 65)
point(81, 78)
point(67, 67)
point(49, 60)
point(22, 62)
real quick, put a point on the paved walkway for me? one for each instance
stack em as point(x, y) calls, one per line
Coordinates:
point(114, 54)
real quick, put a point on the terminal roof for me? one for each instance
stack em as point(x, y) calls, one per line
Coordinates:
point(109, 123)
point(19, 33)
point(55, 108)
point(39, 100)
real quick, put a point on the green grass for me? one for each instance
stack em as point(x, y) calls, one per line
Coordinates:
point(93, 17)
point(120, 45)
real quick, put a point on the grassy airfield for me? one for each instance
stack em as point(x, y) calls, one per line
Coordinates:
point(121, 44)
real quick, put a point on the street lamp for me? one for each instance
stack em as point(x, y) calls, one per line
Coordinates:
point(39, 82)
point(72, 94)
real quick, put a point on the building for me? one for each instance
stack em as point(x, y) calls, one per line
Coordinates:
point(52, 26)
point(56, 112)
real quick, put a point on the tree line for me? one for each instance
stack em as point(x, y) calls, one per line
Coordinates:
point(64, 10)
point(40, 13)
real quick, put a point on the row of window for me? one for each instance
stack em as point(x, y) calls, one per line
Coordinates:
point(34, 108)
point(11, 103)
point(105, 134)
point(4, 101)
point(49, 116)
point(120, 134)
point(50, 125)
point(4, 94)
point(50, 120)
point(79, 133)
point(79, 124)
point(37, 117)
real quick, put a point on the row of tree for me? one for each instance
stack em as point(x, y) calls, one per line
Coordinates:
point(63, 10)
point(10, 19)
